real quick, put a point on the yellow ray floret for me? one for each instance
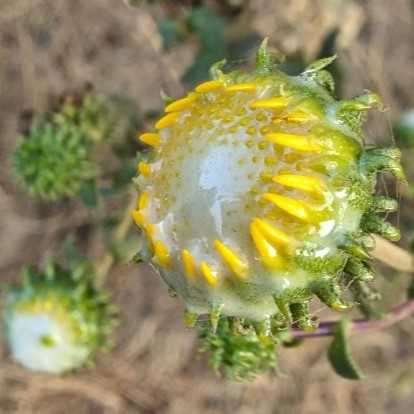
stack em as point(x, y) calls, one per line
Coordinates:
point(301, 182)
point(209, 275)
point(271, 233)
point(162, 253)
point(241, 87)
point(150, 138)
point(291, 206)
point(181, 104)
point(150, 230)
point(143, 201)
point(138, 218)
point(271, 103)
point(188, 262)
point(209, 86)
point(299, 142)
point(144, 168)
point(167, 120)
point(266, 250)
point(231, 258)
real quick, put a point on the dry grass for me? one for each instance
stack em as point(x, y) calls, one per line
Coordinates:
point(47, 47)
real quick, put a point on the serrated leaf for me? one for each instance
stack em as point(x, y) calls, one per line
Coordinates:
point(88, 194)
point(339, 353)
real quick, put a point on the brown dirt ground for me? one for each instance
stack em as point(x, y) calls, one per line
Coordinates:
point(47, 47)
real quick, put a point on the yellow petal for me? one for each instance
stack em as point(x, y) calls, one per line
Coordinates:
point(138, 218)
point(279, 102)
point(291, 206)
point(150, 138)
point(167, 120)
point(209, 276)
point(188, 262)
point(209, 86)
point(181, 104)
point(299, 142)
point(162, 253)
point(266, 250)
point(144, 168)
point(271, 233)
point(231, 258)
point(241, 87)
point(301, 182)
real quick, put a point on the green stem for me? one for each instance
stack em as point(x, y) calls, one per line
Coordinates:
point(361, 325)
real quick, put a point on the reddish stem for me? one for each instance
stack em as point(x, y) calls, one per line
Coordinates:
point(361, 325)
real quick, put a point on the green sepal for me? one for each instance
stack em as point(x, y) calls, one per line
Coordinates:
point(167, 99)
point(237, 326)
point(190, 319)
point(376, 159)
point(358, 269)
point(373, 223)
point(172, 293)
point(353, 112)
point(137, 258)
point(263, 330)
point(384, 204)
point(301, 317)
point(319, 64)
point(329, 292)
point(215, 70)
point(339, 353)
point(283, 307)
point(354, 248)
point(215, 314)
point(265, 60)
point(367, 241)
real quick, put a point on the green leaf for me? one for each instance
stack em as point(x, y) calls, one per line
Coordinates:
point(88, 194)
point(207, 26)
point(168, 28)
point(339, 353)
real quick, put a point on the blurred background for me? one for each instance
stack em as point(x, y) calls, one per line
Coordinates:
point(130, 51)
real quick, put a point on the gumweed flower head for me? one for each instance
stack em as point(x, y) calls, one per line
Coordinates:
point(54, 159)
point(258, 194)
point(56, 320)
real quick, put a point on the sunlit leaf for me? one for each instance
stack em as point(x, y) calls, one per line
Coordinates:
point(339, 353)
